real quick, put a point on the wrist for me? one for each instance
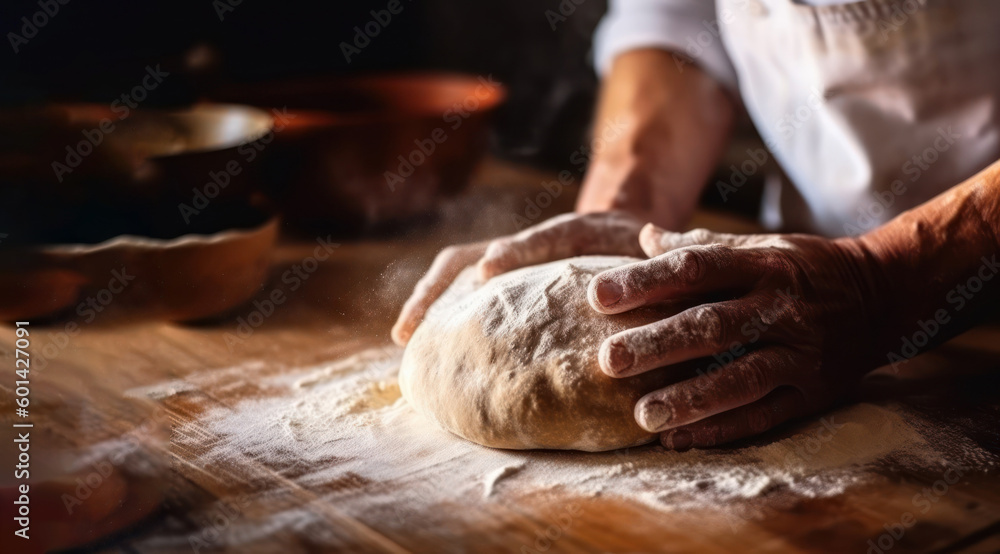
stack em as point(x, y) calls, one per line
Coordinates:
point(933, 267)
point(639, 187)
point(873, 285)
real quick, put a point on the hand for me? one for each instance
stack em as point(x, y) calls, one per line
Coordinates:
point(783, 329)
point(564, 236)
point(658, 135)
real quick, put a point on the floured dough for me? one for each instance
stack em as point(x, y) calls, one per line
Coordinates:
point(513, 363)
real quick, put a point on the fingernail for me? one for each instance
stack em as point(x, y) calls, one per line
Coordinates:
point(680, 440)
point(620, 357)
point(653, 415)
point(608, 292)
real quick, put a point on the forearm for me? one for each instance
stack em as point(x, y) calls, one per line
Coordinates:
point(660, 129)
point(937, 267)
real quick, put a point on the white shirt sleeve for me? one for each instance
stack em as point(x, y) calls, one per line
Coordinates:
point(688, 27)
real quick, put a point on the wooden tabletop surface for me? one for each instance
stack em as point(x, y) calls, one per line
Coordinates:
point(163, 384)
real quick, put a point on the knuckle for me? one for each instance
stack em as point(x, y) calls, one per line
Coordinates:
point(700, 236)
point(656, 340)
point(720, 256)
point(754, 381)
point(650, 242)
point(707, 320)
point(690, 266)
point(781, 264)
point(698, 400)
point(758, 420)
point(496, 249)
point(716, 435)
point(720, 249)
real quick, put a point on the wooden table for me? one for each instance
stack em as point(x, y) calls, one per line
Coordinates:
point(176, 374)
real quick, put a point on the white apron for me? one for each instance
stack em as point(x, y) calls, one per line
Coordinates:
point(872, 107)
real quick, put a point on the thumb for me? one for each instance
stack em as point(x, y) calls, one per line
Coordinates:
point(656, 240)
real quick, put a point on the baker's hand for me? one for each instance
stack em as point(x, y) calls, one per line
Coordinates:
point(781, 322)
point(564, 236)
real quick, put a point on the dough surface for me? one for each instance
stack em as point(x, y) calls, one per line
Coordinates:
point(512, 363)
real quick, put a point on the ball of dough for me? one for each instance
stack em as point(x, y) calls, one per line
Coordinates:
point(512, 363)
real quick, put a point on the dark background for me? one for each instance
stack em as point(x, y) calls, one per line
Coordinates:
point(96, 50)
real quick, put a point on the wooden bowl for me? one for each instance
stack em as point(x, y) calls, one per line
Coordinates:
point(79, 152)
point(361, 153)
point(187, 277)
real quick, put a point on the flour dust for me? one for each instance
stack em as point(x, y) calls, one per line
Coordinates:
point(342, 428)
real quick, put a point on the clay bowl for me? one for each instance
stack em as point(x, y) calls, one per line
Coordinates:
point(205, 147)
point(185, 277)
point(85, 151)
point(363, 153)
point(69, 235)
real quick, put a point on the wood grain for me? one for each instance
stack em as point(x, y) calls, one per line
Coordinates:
point(346, 306)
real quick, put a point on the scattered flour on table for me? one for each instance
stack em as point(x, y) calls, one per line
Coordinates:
point(490, 483)
point(343, 428)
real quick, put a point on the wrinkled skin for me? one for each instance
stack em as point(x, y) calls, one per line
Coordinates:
point(780, 321)
point(785, 325)
point(773, 330)
point(659, 131)
point(564, 236)
point(779, 325)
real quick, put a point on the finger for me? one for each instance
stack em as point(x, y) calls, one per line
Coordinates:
point(779, 406)
point(746, 380)
point(447, 265)
point(704, 330)
point(685, 272)
point(562, 237)
point(655, 240)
